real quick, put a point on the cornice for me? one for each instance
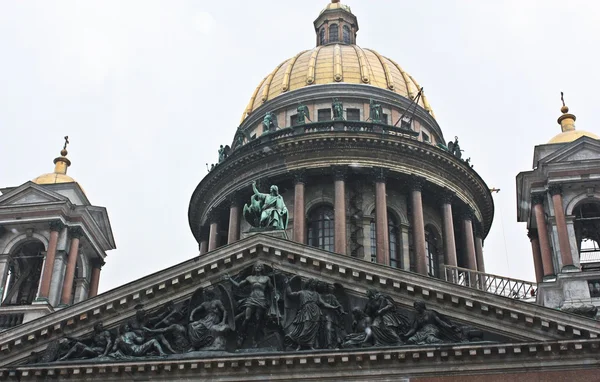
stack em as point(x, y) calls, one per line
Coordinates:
point(419, 158)
point(507, 317)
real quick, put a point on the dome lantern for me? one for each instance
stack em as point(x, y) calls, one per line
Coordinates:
point(567, 125)
point(336, 25)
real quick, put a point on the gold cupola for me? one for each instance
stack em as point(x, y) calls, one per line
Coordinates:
point(61, 165)
point(567, 125)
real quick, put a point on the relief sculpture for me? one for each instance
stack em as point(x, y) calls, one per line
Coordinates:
point(262, 309)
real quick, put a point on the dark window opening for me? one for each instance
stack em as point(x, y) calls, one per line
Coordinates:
point(425, 136)
point(321, 230)
point(324, 115)
point(347, 35)
point(384, 119)
point(353, 114)
point(373, 242)
point(294, 120)
point(394, 236)
point(322, 36)
point(334, 33)
point(431, 249)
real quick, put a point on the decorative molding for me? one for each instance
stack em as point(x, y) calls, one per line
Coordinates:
point(75, 232)
point(56, 226)
point(538, 198)
point(555, 189)
point(416, 183)
point(380, 174)
point(339, 172)
point(299, 176)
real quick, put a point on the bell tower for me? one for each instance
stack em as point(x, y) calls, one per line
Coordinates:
point(559, 200)
point(53, 243)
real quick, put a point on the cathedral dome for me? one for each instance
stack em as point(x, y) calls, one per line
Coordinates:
point(336, 59)
point(61, 164)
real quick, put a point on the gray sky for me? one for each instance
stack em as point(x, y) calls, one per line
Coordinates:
point(147, 90)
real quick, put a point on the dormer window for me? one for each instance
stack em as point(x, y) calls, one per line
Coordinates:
point(334, 32)
point(347, 35)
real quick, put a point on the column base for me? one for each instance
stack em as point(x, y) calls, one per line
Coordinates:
point(551, 278)
point(569, 269)
point(41, 301)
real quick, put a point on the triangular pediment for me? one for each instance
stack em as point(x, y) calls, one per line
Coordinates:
point(30, 193)
point(500, 319)
point(583, 149)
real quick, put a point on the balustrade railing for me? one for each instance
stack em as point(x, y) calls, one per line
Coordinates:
point(498, 285)
point(10, 320)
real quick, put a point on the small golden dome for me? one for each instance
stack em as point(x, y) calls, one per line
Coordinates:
point(59, 175)
point(336, 4)
point(335, 63)
point(567, 125)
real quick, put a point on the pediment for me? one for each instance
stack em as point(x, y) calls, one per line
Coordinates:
point(30, 193)
point(583, 149)
point(497, 319)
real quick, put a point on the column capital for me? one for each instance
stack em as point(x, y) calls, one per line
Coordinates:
point(532, 233)
point(447, 196)
point(234, 199)
point(56, 226)
point(213, 215)
point(75, 232)
point(538, 198)
point(299, 176)
point(379, 174)
point(468, 214)
point(555, 189)
point(478, 229)
point(416, 183)
point(339, 172)
point(97, 263)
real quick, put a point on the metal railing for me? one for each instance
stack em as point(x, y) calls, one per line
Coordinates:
point(498, 285)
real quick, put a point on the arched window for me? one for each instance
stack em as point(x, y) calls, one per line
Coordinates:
point(394, 240)
point(23, 274)
point(347, 35)
point(394, 235)
point(322, 37)
point(431, 249)
point(334, 33)
point(587, 232)
point(321, 230)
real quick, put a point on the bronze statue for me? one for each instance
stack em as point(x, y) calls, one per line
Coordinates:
point(338, 109)
point(270, 122)
point(100, 345)
point(304, 329)
point(266, 210)
point(303, 114)
point(259, 306)
point(332, 319)
point(375, 111)
point(387, 323)
point(131, 344)
point(362, 334)
point(209, 323)
point(429, 327)
point(454, 148)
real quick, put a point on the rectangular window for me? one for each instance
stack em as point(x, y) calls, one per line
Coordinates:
point(425, 136)
point(353, 114)
point(294, 120)
point(373, 242)
point(384, 119)
point(324, 115)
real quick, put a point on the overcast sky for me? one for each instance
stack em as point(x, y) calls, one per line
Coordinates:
point(147, 90)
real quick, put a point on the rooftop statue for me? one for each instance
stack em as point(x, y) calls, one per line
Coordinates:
point(375, 111)
point(430, 327)
point(267, 211)
point(338, 109)
point(303, 114)
point(270, 122)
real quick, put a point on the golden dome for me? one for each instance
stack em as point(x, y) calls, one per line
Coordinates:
point(335, 63)
point(59, 175)
point(567, 125)
point(336, 5)
point(573, 135)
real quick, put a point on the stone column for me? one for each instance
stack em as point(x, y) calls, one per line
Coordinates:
point(381, 218)
point(203, 247)
point(81, 290)
point(75, 234)
point(94, 280)
point(537, 202)
point(44, 290)
point(299, 208)
point(233, 234)
point(339, 210)
point(58, 276)
point(213, 236)
point(449, 240)
point(4, 266)
point(537, 255)
point(418, 229)
point(561, 226)
point(479, 247)
point(469, 241)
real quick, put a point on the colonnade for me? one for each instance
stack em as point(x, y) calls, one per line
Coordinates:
point(473, 238)
point(540, 240)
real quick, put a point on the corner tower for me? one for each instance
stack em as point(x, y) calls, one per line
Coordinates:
point(559, 200)
point(53, 243)
point(360, 160)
